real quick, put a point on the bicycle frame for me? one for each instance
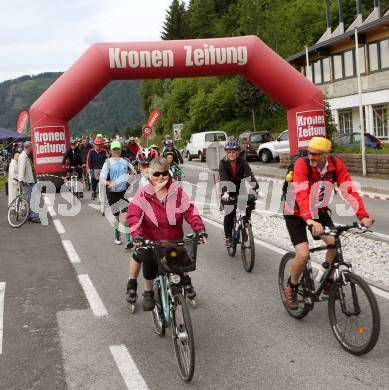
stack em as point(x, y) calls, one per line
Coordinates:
point(161, 280)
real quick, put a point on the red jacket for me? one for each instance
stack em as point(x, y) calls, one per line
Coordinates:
point(149, 218)
point(132, 150)
point(308, 192)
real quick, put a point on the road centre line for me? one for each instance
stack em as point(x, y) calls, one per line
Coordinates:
point(2, 294)
point(377, 291)
point(127, 367)
point(58, 226)
point(71, 252)
point(92, 295)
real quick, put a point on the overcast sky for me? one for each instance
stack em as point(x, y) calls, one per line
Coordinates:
point(47, 35)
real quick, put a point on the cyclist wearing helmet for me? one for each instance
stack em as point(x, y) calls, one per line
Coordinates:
point(169, 148)
point(114, 175)
point(96, 159)
point(232, 170)
point(73, 158)
point(313, 180)
point(133, 148)
point(156, 148)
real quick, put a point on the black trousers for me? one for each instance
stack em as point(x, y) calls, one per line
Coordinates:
point(229, 219)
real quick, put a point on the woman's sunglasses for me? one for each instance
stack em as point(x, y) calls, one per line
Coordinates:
point(158, 174)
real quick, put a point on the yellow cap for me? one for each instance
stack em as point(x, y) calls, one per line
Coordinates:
point(320, 144)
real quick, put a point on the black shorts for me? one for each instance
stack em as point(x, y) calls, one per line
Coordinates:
point(149, 265)
point(297, 227)
point(117, 202)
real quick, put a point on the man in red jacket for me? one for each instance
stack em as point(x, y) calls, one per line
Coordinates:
point(313, 180)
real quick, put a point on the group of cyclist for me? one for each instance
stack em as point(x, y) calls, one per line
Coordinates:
point(159, 206)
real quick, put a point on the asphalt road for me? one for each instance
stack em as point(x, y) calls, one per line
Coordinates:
point(244, 338)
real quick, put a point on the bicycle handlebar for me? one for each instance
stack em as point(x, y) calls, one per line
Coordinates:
point(337, 230)
point(190, 237)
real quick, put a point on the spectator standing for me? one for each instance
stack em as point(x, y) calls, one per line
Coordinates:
point(26, 177)
point(12, 175)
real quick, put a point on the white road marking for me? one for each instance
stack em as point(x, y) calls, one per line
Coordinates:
point(51, 211)
point(70, 251)
point(94, 206)
point(93, 297)
point(2, 294)
point(127, 367)
point(377, 291)
point(58, 226)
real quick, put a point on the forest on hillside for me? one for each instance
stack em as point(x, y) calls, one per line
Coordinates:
point(117, 108)
point(230, 103)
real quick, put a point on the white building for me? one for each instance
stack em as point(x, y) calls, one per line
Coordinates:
point(332, 67)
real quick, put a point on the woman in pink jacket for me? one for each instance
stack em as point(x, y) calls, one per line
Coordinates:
point(157, 213)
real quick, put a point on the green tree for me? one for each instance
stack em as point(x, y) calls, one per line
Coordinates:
point(175, 26)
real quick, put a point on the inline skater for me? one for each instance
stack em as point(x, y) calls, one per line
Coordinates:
point(114, 175)
point(96, 159)
point(175, 170)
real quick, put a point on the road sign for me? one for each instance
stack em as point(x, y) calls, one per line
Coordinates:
point(147, 131)
point(177, 128)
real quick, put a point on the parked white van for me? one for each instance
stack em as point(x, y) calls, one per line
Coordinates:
point(199, 142)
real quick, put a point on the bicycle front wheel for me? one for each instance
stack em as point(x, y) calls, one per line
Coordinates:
point(18, 212)
point(183, 339)
point(354, 314)
point(247, 247)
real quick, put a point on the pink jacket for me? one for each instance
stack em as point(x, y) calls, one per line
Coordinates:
point(153, 220)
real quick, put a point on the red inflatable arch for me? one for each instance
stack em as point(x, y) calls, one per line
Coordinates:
point(103, 62)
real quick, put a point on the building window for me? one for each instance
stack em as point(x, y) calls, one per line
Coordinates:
point(384, 53)
point(373, 57)
point(308, 72)
point(348, 58)
point(346, 122)
point(317, 72)
point(337, 61)
point(362, 60)
point(381, 121)
point(326, 70)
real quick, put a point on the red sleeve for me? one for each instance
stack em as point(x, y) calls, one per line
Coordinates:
point(348, 190)
point(191, 213)
point(301, 188)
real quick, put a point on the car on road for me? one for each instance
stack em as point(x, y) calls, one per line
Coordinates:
point(199, 142)
point(250, 141)
point(354, 139)
point(269, 151)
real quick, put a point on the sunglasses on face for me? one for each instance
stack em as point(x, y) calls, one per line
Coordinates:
point(314, 154)
point(158, 174)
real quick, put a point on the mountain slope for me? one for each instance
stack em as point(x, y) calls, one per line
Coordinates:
point(116, 106)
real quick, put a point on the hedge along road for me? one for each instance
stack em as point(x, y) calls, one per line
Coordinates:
point(244, 338)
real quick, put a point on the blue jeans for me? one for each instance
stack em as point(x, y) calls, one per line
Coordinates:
point(28, 188)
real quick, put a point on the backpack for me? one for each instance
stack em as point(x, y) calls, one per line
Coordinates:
point(289, 173)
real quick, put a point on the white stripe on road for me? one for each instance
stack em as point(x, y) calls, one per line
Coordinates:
point(51, 211)
point(58, 226)
point(93, 297)
point(377, 291)
point(127, 367)
point(94, 206)
point(2, 294)
point(70, 251)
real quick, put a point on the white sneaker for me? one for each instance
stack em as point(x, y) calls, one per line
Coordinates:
point(117, 241)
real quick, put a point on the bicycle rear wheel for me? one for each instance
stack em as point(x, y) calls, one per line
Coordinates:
point(18, 212)
point(283, 277)
point(183, 339)
point(354, 315)
point(247, 247)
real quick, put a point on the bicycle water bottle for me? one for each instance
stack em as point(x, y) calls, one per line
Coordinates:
point(322, 273)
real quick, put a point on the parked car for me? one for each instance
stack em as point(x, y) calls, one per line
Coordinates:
point(271, 150)
point(354, 139)
point(250, 141)
point(199, 142)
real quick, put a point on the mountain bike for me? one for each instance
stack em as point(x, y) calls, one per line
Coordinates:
point(171, 309)
point(242, 234)
point(352, 307)
point(73, 184)
point(19, 209)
